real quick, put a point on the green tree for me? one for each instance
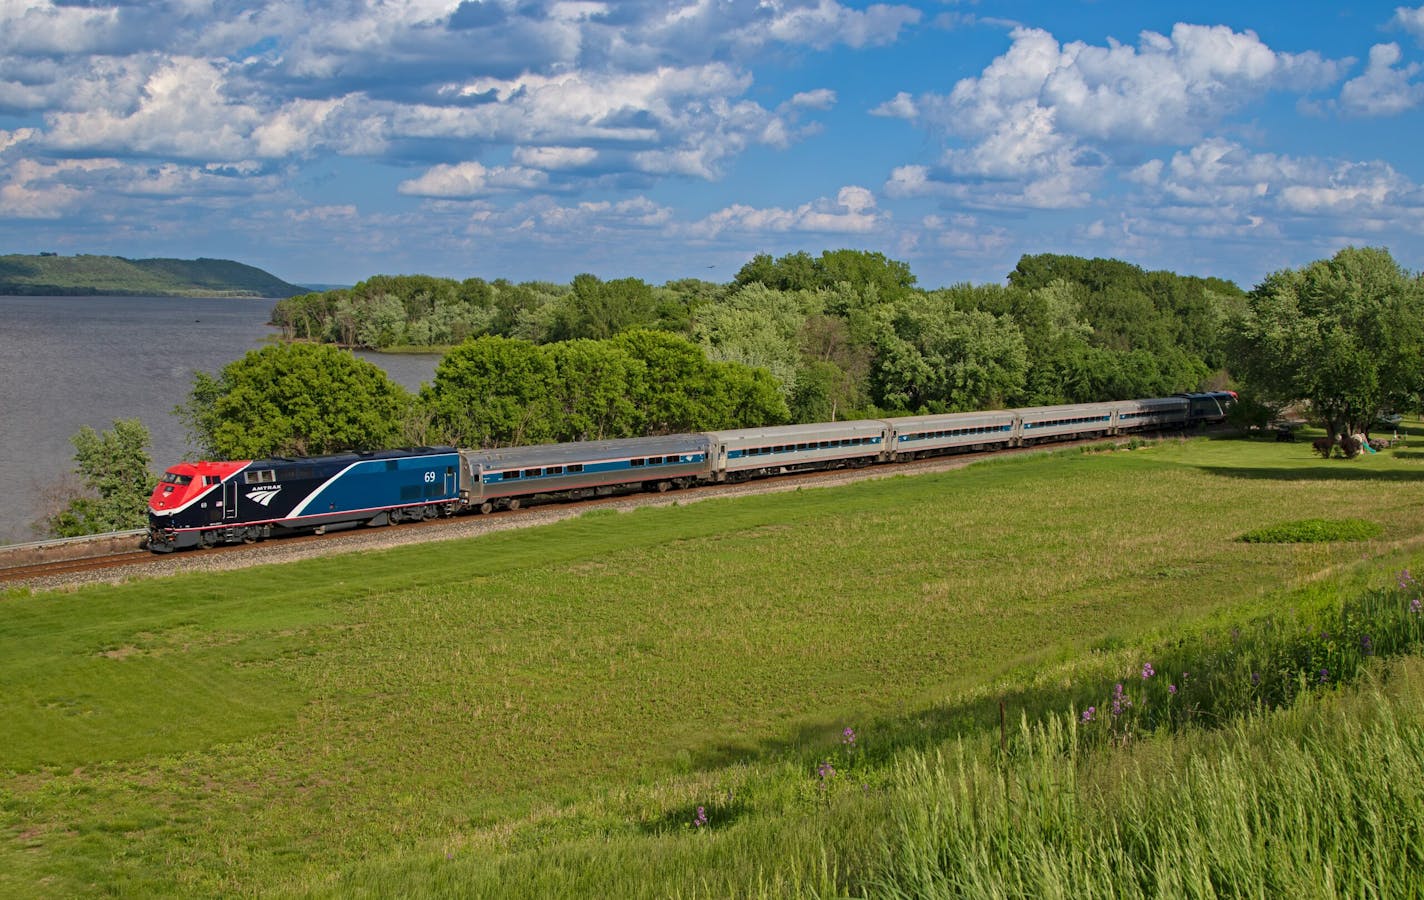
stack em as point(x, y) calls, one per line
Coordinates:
point(600, 309)
point(942, 359)
point(680, 390)
point(1345, 334)
point(492, 392)
point(294, 400)
point(113, 465)
point(589, 386)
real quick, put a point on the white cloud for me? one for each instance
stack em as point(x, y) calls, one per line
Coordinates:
point(555, 157)
point(901, 106)
point(822, 98)
point(35, 190)
point(1382, 90)
point(852, 212)
point(10, 139)
point(828, 23)
point(1037, 127)
point(180, 110)
point(1226, 181)
point(964, 235)
point(1166, 88)
point(471, 179)
point(1411, 20)
point(44, 28)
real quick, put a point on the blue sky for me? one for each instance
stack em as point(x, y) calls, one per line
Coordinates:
point(332, 140)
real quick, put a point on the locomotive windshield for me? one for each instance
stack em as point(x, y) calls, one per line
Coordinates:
point(173, 478)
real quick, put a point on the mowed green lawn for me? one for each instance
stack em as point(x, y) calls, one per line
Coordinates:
point(270, 729)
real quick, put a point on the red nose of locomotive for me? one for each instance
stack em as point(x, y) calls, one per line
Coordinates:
point(186, 482)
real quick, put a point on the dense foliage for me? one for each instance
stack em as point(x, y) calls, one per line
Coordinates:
point(49, 274)
point(845, 334)
point(113, 465)
point(294, 400)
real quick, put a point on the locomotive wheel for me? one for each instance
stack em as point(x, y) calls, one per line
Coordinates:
point(513, 504)
point(486, 508)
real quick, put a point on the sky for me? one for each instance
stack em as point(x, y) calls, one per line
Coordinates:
point(330, 140)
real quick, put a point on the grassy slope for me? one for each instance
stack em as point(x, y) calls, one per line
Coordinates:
point(250, 730)
point(87, 274)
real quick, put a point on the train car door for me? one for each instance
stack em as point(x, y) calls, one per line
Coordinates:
point(230, 499)
point(450, 481)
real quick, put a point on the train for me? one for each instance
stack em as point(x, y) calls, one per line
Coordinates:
point(206, 503)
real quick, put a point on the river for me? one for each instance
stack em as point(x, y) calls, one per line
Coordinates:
point(66, 362)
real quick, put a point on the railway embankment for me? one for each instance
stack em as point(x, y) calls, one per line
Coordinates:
point(91, 546)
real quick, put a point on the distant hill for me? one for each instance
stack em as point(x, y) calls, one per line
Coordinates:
point(85, 275)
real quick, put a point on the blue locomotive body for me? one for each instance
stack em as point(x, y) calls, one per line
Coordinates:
point(206, 503)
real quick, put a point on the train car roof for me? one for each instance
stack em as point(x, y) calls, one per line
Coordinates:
point(791, 433)
point(988, 414)
point(350, 456)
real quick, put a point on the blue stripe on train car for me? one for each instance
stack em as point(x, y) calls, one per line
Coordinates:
point(377, 483)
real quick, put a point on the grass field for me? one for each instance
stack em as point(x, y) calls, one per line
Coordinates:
point(545, 711)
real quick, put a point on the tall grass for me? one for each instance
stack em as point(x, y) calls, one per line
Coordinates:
point(1132, 797)
point(1304, 805)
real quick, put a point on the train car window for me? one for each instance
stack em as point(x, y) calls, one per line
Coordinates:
point(554, 470)
point(262, 476)
point(533, 473)
point(655, 460)
point(576, 467)
point(511, 475)
point(636, 462)
point(212, 479)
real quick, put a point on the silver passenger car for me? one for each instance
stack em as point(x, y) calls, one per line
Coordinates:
point(1156, 412)
point(1038, 423)
point(747, 450)
point(913, 436)
point(501, 476)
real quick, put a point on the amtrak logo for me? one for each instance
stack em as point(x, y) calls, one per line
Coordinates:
point(264, 497)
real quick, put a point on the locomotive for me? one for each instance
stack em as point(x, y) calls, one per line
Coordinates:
point(202, 504)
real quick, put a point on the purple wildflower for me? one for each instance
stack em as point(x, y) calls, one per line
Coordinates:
point(1088, 714)
point(1406, 581)
point(848, 736)
point(1255, 677)
point(1172, 689)
point(1147, 671)
point(1367, 646)
point(825, 770)
point(1324, 675)
point(701, 817)
point(1120, 701)
point(1415, 605)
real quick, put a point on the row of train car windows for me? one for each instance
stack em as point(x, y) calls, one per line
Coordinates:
point(810, 445)
point(513, 474)
point(955, 432)
point(575, 468)
point(1083, 421)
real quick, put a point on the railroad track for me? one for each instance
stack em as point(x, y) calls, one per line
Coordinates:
point(62, 567)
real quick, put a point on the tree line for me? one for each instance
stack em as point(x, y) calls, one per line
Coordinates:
point(799, 338)
point(845, 334)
